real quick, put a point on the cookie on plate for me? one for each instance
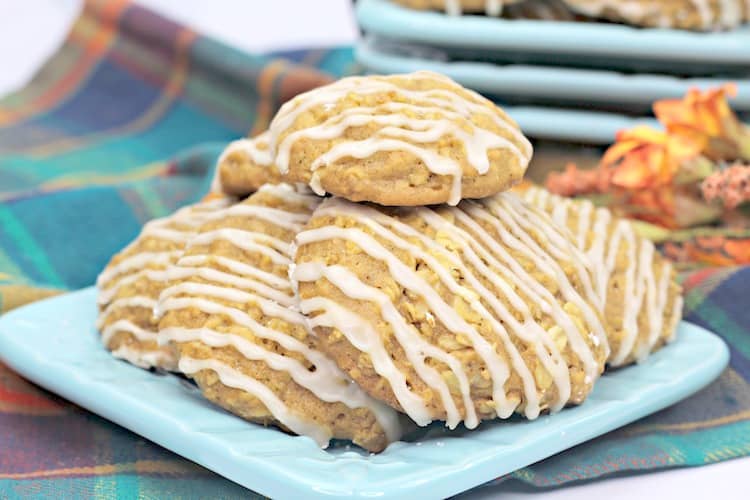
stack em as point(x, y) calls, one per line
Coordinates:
point(131, 283)
point(638, 294)
point(244, 166)
point(460, 313)
point(414, 139)
point(698, 15)
point(230, 313)
point(458, 7)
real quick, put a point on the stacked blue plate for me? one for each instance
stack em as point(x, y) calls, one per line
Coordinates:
point(569, 81)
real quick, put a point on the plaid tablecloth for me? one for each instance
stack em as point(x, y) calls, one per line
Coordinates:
point(124, 124)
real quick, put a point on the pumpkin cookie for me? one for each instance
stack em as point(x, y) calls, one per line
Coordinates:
point(638, 294)
point(458, 313)
point(414, 139)
point(230, 314)
point(133, 279)
point(698, 15)
point(244, 166)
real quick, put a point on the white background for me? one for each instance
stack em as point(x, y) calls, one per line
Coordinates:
point(31, 30)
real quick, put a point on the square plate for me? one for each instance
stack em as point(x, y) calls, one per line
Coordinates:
point(54, 344)
point(583, 44)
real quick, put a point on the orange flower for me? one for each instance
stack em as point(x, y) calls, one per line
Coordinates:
point(644, 157)
point(656, 206)
point(707, 120)
point(574, 181)
point(711, 250)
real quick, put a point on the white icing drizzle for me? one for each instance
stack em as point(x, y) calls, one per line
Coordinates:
point(601, 238)
point(705, 12)
point(491, 7)
point(134, 301)
point(176, 229)
point(731, 13)
point(480, 255)
point(417, 350)
point(142, 358)
point(229, 292)
point(124, 325)
point(397, 131)
point(256, 149)
point(327, 382)
point(528, 332)
point(287, 220)
point(235, 266)
point(244, 240)
point(712, 13)
point(233, 378)
point(136, 261)
point(362, 335)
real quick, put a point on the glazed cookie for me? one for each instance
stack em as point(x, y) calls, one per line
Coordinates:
point(699, 15)
point(131, 283)
point(244, 166)
point(230, 313)
point(458, 7)
point(414, 139)
point(458, 313)
point(639, 296)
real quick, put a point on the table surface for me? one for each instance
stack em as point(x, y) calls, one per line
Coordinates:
point(261, 26)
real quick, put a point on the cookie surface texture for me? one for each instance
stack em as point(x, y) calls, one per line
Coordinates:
point(230, 313)
point(407, 140)
point(638, 294)
point(460, 313)
point(134, 278)
point(244, 166)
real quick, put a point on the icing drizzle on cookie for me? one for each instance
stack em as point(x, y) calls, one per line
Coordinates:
point(255, 148)
point(228, 288)
point(603, 238)
point(471, 263)
point(410, 121)
point(140, 267)
point(712, 14)
point(491, 7)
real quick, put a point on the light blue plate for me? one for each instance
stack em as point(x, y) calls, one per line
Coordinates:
point(543, 84)
point(572, 125)
point(53, 343)
point(582, 44)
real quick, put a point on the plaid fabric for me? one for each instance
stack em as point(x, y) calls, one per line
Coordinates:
point(82, 167)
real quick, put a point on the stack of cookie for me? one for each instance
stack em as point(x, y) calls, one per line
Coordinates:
point(380, 270)
point(695, 15)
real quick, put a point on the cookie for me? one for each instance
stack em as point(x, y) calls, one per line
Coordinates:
point(460, 313)
point(698, 15)
point(134, 278)
point(458, 7)
point(639, 296)
point(230, 314)
point(244, 166)
point(414, 139)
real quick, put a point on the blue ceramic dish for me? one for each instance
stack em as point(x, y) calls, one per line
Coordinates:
point(53, 343)
point(583, 44)
point(555, 85)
